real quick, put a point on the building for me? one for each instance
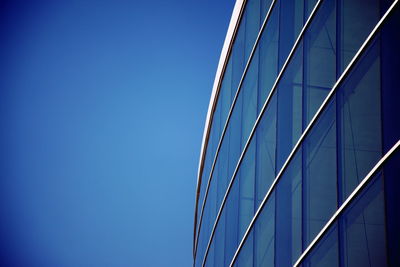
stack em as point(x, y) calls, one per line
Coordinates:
point(300, 152)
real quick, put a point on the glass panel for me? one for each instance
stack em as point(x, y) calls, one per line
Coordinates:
point(326, 252)
point(319, 174)
point(265, 5)
point(390, 95)
point(359, 116)
point(309, 6)
point(357, 19)
point(390, 66)
point(231, 209)
point(289, 92)
point(265, 138)
point(288, 214)
point(264, 231)
point(226, 95)
point(319, 59)
point(268, 57)
point(361, 230)
point(246, 257)
point(371, 221)
point(258, 249)
point(246, 189)
point(392, 203)
point(291, 22)
point(249, 94)
point(253, 24)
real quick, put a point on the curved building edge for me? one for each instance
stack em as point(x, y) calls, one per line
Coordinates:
point(225, 52)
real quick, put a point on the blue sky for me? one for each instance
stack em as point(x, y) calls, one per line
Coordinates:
point(102, 109)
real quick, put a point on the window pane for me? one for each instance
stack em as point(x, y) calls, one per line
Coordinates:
point(288, 214)
point(319, 166)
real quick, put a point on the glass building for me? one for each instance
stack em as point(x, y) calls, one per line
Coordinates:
point(301, 153)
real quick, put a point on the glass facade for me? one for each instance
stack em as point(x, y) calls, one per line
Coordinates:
point(302, 152)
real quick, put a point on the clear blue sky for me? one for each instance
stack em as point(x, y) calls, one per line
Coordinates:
point(102, 109)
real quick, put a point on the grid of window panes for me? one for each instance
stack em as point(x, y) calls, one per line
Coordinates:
point(281, 92)
point(251, 19)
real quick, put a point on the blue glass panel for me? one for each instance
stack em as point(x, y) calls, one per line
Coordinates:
point(253, 24)
point(390, 94)
point(319, 59)
point(231, 209)
point(246, 189)
point(309, 6)
point(371, 221)
point(258, 248)
point(237, 57)
point(264, 6)
point(223, 176)
point(268, 59)
point(246, 256)
point(360, 231)
point(265, 138)
point(219, 243)
point(235, 141)
point(326, 252)
point(356, 19)
point(249, 94)
point(227, 93)
point(392, 203)
point(290, 24)
point(359, 117)
point(363, 229)
point(216, 253)
point(319, 174)
point(289, 107)
point(390, 66)
point(264, 231)
point(288, 214)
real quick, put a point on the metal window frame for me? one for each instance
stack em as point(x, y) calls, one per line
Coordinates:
point(312, 122)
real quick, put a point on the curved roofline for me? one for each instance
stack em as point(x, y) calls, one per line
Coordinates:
point(226, 49)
